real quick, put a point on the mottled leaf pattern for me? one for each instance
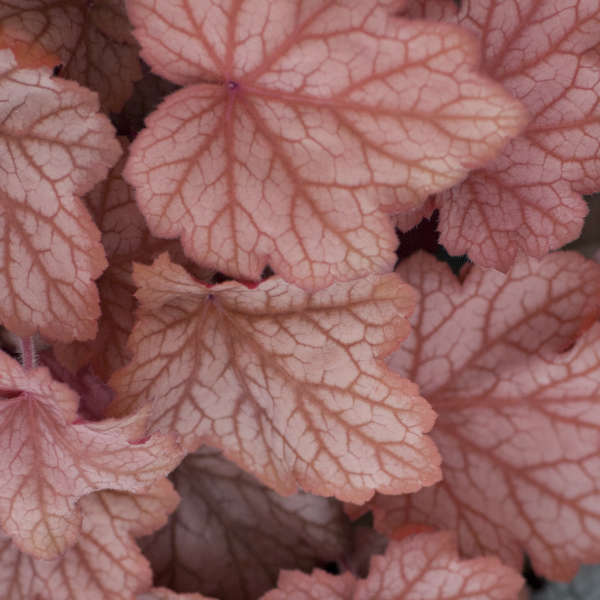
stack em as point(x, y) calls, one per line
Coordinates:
point(511, 364)
point(421, 567)
point(299, 122)
point(54, 146)
point(289, 384)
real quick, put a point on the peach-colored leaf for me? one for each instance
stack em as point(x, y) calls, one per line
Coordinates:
point(54, 146)
point(407, 220)
point(92, 39)
point(299, 123)
point(421, 567)
point(105, 562)
point(511, 363)
point(529, 199)
point(49, 458)
point(126, 239)
point(230, 536)
point(290, 384)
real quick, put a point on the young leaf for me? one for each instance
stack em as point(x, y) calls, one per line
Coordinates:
point(529, 199)
point(54, 146)
point(421, 567)
point(511, 363)
point(299, 122)
point(230, 536)
point(49, 459)
point(291, 385)
point(92, 41)
point(104, 563)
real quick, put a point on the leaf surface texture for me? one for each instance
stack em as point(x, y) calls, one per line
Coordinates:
point(291, 385)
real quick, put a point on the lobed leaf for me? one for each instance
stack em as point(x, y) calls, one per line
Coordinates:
point(104, 563)
point(421, 567)
point(49, 459)
point(511, 363)
point(289, 384)
point(299, 124)
point(126, 239)
point(528, 200)
point(54, 146)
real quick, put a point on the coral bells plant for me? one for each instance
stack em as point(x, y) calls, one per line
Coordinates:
point(215, 380)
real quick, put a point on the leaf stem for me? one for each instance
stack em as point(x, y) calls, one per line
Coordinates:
point(28, 353)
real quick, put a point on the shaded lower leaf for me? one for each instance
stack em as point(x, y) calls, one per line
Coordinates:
point(230, 535)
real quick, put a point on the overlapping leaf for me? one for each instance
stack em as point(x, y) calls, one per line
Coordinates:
point(92, 40)
point(49, 459)
point(147, 94)
point(54, 146)
point(299, 122)
point(105, 563)
point(94, 394)
point(529, 199)
point(230, 536)
point(512, 366)
point(421, 567)
point(289, 384)
point(126, 239)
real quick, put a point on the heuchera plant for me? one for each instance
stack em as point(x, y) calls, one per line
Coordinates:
point(213, 297)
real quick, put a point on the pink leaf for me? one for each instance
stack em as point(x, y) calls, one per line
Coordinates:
point(104, 563)
point(512, 366)
point(299, 123)
point(289, 384)
point(49, 459)
point(408, 220)
point(230, 536)
point(126, 239)
point(529, 199)
point(92, 40)
point(53, 148)
point(421, 567)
